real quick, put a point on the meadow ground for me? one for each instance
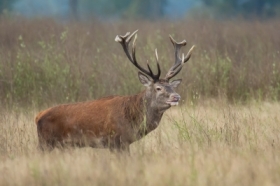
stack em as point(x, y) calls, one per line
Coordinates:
point(211, 143)
point(226, 132)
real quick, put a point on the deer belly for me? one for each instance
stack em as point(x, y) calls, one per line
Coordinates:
point(82, 136)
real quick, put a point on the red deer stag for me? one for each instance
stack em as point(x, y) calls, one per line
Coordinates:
point(114, 122)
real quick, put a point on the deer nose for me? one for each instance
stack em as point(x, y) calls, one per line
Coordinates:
point(175, 97)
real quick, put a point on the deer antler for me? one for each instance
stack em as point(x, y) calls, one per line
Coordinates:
point(124, 41)
point(176, 68)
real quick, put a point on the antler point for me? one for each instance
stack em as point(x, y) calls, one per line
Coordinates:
point(118, 39)
point(156, 55)
point(192, 47)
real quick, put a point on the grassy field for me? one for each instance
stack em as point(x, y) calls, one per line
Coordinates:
point(225, 131)
point(43, 62)
point(212, 143)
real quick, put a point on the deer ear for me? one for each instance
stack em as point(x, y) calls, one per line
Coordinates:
point(175, 83)
point(144, 79)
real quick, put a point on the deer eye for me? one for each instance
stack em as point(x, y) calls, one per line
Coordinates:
point(158, 89)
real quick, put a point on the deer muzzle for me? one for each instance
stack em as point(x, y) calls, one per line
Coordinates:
point(174, 99)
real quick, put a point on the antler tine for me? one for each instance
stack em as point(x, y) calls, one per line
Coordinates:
point(180, 66)
point(158, 67)
point(177, 47)
point(150, 69)
point(124, 41)
point(134, 61)
point(176, 68)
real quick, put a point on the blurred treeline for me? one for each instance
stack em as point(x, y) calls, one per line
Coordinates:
point(244, 8)
point(142, 9)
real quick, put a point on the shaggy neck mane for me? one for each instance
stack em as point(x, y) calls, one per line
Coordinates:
point(138, 112)
point(133, 107)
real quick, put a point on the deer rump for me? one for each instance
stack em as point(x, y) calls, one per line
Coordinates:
point(110, 122)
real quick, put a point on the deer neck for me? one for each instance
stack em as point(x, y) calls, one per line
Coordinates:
point(147, 117)
point(152, 114)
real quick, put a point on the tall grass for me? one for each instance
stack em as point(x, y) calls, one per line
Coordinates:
point(216, 144)
point(44, 62)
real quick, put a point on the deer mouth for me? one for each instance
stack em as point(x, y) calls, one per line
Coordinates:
point(173, 102)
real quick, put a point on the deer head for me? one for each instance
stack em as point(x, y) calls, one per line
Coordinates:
point(160, 93)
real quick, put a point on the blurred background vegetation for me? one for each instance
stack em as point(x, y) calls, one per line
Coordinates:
point(64, 51)
point(147, 9)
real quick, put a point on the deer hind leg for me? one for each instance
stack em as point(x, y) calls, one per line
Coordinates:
point(46, 142)
point(122, 149)
point(48, 135)
point(45, 145)
point(119, 146)
point(125, 148)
